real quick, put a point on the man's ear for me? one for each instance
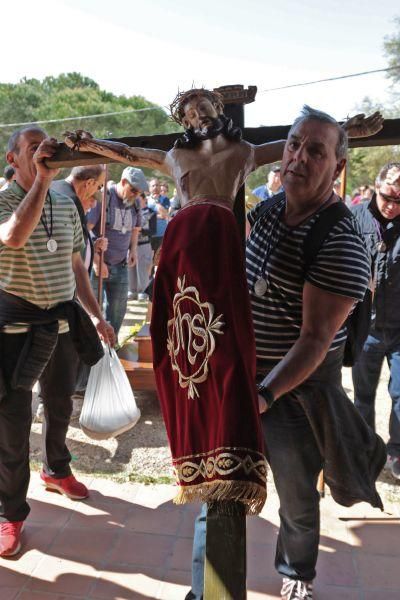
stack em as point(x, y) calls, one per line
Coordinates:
point(10, 158)
point(218, 108)
point(339, 168)
point(185, 123)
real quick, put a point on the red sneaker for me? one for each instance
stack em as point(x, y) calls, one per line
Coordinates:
point(68, 486)
point(10, 537)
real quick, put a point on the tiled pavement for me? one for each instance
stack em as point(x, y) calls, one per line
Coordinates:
point(128, 541)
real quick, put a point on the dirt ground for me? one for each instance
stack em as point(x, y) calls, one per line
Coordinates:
point(142, 454)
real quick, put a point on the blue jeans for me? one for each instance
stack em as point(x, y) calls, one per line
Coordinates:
point(198, 554)
point(380, 344)
point(115, 294)
point(139, 275)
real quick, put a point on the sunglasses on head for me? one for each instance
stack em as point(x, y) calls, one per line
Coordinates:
point(395, 199)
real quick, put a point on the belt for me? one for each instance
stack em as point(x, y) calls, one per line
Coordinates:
point(123, 263)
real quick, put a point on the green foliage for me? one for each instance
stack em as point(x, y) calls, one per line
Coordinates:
point(133, 331)
point(73, 94)
point(391, 47)
point(365, 163)
point(136, 477)
point(258, 177)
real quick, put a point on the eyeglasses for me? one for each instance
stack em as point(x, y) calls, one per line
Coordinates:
point(94, 182)
point(387, 198)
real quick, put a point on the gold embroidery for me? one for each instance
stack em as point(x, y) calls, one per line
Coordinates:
point(192, 336)
point(222, 464)
point(224, 449)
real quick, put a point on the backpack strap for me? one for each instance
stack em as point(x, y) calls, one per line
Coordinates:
point(108, 217)
point(320, 230)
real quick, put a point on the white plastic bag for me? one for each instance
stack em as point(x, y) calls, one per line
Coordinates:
point(109, 406)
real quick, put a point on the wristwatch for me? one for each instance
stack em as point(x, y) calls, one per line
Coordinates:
point(266, 393)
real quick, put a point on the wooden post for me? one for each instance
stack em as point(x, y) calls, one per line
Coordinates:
point(236, 113)
point(225, 565)
point(343, 178)
point(102, 232)
point(235, 97)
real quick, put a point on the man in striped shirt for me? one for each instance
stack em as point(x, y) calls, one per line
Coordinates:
point(320, 155)
point(299, 328)
point(40, 262)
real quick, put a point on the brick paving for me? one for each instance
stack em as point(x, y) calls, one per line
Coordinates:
point(129, 542)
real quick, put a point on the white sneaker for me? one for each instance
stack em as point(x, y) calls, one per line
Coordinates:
point(393, 463)
point(39, 415)
point(294, 589)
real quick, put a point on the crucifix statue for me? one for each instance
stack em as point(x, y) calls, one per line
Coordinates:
point(203, 346)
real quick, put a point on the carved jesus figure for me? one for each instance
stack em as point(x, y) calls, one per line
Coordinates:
point(211, 159)
point(202, 335)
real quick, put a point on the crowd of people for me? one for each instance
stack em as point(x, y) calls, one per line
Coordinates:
point(137, 215)
point(53, 251)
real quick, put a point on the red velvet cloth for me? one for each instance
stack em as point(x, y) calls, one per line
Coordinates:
point(204, 359)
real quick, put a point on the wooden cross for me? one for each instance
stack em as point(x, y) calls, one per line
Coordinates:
point(235, 96)
point(225, 572)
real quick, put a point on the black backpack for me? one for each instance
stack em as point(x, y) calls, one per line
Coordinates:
point(359, 321)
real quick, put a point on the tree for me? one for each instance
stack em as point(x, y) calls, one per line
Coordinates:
point(73, 94)
point(391, 47)
point(365, 163)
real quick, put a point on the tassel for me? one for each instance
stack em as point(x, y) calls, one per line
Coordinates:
point(251, 495)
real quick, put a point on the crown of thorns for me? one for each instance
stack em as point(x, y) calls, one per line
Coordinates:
point(177, 106)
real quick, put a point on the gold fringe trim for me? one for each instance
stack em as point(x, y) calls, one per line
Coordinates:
point(251, 495)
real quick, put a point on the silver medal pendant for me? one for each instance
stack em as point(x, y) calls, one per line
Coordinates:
point(381, 246)
point(260, 287)
point(52, 245)
point(123, 230)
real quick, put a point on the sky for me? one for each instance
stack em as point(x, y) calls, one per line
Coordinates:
point(154, 48)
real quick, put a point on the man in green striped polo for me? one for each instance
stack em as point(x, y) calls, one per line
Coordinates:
point(40, 262)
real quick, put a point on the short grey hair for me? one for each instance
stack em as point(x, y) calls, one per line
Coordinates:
point(381, 177)
point(307, 113)
point(13, 142)
point(85, 173)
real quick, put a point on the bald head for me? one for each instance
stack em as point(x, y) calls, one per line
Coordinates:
point(87, 172)
point(86, 182)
